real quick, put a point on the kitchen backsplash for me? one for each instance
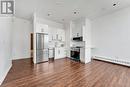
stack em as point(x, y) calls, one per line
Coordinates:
point(53, 44)
point(74, 44)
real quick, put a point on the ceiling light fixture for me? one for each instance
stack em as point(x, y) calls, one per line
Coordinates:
point(48, 14)
point(114, 5)
point(75, 12)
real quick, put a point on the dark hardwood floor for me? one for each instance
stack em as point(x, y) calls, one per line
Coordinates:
point(67, 73)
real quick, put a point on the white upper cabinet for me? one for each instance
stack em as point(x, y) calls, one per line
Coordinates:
point(51, 34)
point(63, 35)
point(77, 29)
point(41, 28)
point(55, 34)
point(60, 34)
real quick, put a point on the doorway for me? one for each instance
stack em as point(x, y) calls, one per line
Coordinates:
point(31, 45)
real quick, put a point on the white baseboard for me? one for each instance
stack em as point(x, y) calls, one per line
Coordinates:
point(59, 58)
point(21, 58)
point(5, 74)
point(113, 60)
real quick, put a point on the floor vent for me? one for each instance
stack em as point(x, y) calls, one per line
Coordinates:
point(118, 61)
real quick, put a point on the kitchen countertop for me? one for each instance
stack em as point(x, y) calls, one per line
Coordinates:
point(51, 48)
point(78, 47)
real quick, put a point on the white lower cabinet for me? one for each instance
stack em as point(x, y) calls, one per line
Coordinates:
point(60, 53)
point(85, 55)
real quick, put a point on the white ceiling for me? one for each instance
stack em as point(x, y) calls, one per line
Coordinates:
point(64, 9)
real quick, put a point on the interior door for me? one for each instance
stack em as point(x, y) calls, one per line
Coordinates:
point(31, 46)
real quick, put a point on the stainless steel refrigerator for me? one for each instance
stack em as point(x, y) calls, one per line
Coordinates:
point(42, 51)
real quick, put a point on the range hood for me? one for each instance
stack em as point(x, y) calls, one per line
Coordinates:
point(77, 38)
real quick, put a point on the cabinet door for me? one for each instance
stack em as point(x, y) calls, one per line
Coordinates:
point(54, 33)
point(50, 37)
point(61, 34)
point(62, 52)
point(57, 34)
point(57, 53)
point(50, 33)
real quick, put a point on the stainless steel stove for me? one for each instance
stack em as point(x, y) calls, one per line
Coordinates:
point(75, 53)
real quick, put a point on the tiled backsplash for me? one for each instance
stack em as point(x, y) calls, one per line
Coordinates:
point(74, 44)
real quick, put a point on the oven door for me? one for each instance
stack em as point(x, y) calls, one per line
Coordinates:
point(72, 54)
point(75, 55)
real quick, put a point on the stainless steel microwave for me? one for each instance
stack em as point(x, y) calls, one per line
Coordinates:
point(78, 38)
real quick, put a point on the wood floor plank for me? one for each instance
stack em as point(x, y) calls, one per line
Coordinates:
point(67, 73)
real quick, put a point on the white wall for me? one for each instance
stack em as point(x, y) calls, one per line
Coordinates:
point(21, 38)
point(49, 23)
point(87, 33)
point(68, 35)
point(111, 35)
point(5, 46)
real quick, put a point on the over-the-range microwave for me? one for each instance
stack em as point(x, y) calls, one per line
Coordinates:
point(78, 38)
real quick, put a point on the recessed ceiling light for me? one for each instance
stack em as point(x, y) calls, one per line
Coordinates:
point(48, 14)
point(114, 4)
point(75, 12)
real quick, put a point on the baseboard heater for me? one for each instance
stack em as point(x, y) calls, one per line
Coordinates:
point(117, 61)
